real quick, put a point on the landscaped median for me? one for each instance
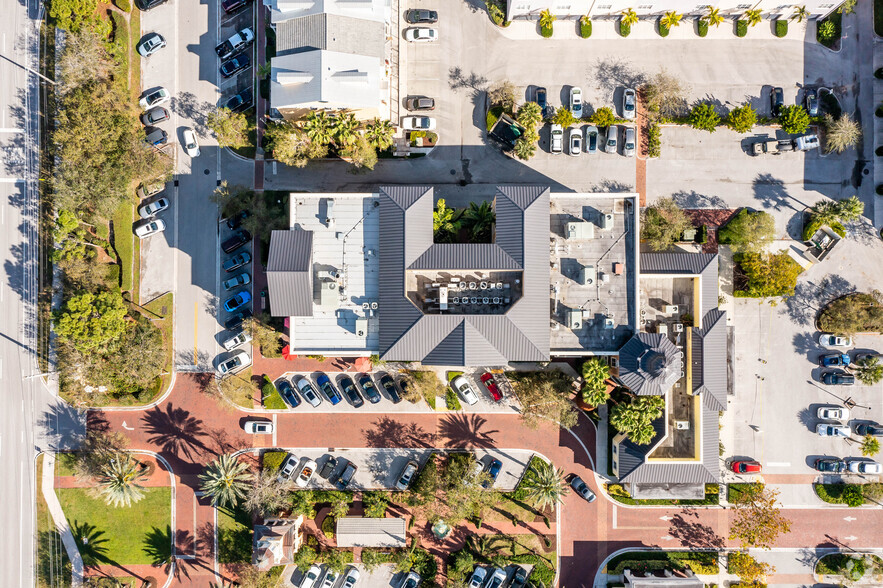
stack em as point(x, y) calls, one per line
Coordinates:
point(851, 567)
point(619, 494)
point(700, 562)
point(849, 494)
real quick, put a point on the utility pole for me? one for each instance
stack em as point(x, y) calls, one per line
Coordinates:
point(26, 68)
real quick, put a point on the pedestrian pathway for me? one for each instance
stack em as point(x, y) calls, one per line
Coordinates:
point(67, 538)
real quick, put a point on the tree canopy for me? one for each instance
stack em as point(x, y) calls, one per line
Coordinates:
point(595, 372)
point(90, 321)
point(544, 398)
point(853, 313)
point(748, 231)
point(230, 128)
point(768, 274)
point(758, 521)
point(635, 418)
point(663, 223)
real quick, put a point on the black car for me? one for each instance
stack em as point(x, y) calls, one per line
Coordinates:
point(233, 5)
point(872, 429)
point(328, 468)
point(540, 98)
point(777, 100)
point(390, 388)
point(237, 261)
point(493, 471)
point(239, 238)
point(421, 16)
point(286, 390)
point(519, 579)
point(235, 320)
point(420, 103)
point(145, 5)
point(240, 101)
point(235, 64)
point(812, 102)
point(235, 221)
point(830, 465)
point(157, 114)
point(347, 475)
point(349, 390)
point(155, 136)
point(369, 389)
point(838, 379)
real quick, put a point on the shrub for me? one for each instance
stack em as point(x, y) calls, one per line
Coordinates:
point(625, 29)
point(742, 118)
point(852, 495)
point(781, 27)
point(794, 119)
point(272, 460)
point(748, 231)
point(654, 140)
point(702, 27)
point(768, 274)
point(663, 30)
point(603, 117)
point(270, 396)
point(814, 224)
point(704, 117)
point(451, 400)
point(849, 494)
point(493, 114)
point(585, 28)
point(328, 526)
point(853, 313)
point(546, 32)
point(828, 31)
point(741, 28)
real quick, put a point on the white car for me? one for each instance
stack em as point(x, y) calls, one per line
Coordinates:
point(234, 364)
point(258, 427)
point(156, 98)
point(628, 104)
point(311, 576)
point(832, 340)
point(576, 142)
point(833, 413)
point(462, 387)
point(306, 474)
point(330, 578)
point(610, 142)
point(498, 578)
point(576, 102)
point(407, 475)
point(236, 340)
point(628, 142)
point(350, 579)
point(832, 430)
point(412, 580)
point(421, 35)
point(557, 139)
point(152, 228)
point(151, 208)
point(418, 123)
point(288, 468)
point(190, 144)
point(865, 467)
point(477, 578)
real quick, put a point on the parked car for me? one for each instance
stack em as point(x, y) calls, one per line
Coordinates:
point(865, 467)
point(240, 101)
point(145, 5)
point(540, 98)
point(576, 142)
point(149, 228)
point(406, 476)
point(838, 378)
point(235, 221)
point(476, 580)
point(412, 580)
point(418, 123)
point(330, 578)
point(493, 470)
point(420, 103)
point(238, 301)
point(806, 142)
point(286, 391)
point(350, 579)
point(576, 102)
point(235, 64)
point(497, 579)
point(834, 360)
point(830, 465)
point(331, 393)
point(237, 240)
point(832, 340)
point(328, 468)
point(155, 115)
point(746, 466)
point(610, 144)
point(519, 577)
point(628, 142)
point(236, 340)
point(346, 476)
point(390, 386)
point(490, 383)
point(777, 100)
point(236, 319)
point(242, 279)
point(308, 392)
point(582, 489)
point(233, 5)
point(157, 97)
point(811, 99)
point(309, 579)
point(234, 364)
point(306, 474)
point(190, 143)
point(237, 261)
point(369, 389)
point(462, 387)
point(151, 208)
point(150, 44)
point(629, 104)
point(288, 468)
point(421, 16)
point(826, 430)
point(872, 429)
point(421, 35)
point(833, 413)
point(591, 139)
point(237, 42)
point(404, 385)
point(155, 136)
point(258, 427)
point(557, 139)
point(350, 391)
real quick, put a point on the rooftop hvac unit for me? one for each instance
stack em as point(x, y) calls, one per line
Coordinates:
point(670, 309)
point(580, 230)
point(329, 212)
point(586, 275)
point(679, 327)
point(608, 323)
point(682, 425)
point(606, 223)
point(574, 319)
point(328, 294)
point(361, 327)
point(605, 277)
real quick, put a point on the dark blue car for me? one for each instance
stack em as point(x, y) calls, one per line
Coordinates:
point(834, 360)
point(493, 471)
point(288, 394)
point(349, 389)
point(369, 389)
point(390, 388)
point(328, 388)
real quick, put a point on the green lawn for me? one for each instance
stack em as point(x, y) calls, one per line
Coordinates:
point(234, 536)
point(124, 244)
point(138, 534)
point(64, 464)
point(53, 566)
point(163, 306)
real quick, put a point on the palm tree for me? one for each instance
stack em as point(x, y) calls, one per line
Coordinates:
point(225, 480)
point(119, 478)
point(445, 223)
point(629, 17)
point(754, 16)
point(344, 129)
point(318, 127)
point(480, 218)
point(530, 115)
point(546, 19)
point(264, 70)
point(825, 211)
point(671, 19)
point(379, 133)
point(800, 14)
point(850, 209)
point(714, 17)
point(545, 485)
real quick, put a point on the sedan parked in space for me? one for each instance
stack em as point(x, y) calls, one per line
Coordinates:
point(629, 104)
point(146, 5)
point(576, 142)
point(418, 123)
point(237, 261)
point(237, 240)
point(832, 430)
point(746, 466)
point(308, 392)
point(777, 101)
point(390, 386)
point(144, 230)
point(235, 64)
point(369, 389)
point(420, 103)
point(331, 393)
point(347, 475)
point(236, 340)
point(838, 379)
point(610, 144)
point(478, 577)
point(540, 97)
point(406, 476)
point(350, 579)
point(830, 465)
point(519, 578)
point(493, 470)
point(328, 468)
point(242, 279)
point(591, 139)
point(155, 115)
point(498, 578)
point(556, 138)
point(834, 360)
point(190, 143)
point(288, 468)
point(306, 474)
point(811, 99)
point(240, 101)
point(236, 320)
point(156, 98)
point(350, 391)
point(872, 429)
point(258, 427)
point(330, 578)
point(491, 384)
point(151, 208)
point(155, 136)
point(832, 340)
point(833, 413)
point(582, 489)
point(421, 35)
point(236, 302)
point(234, 364)
point(150, 44)
point(576, 102)
point(865, 467)
point(286, 391)
point(462, 387)
point(421, 16)
point(309, 579)
point(628, 142)
point(412, 580)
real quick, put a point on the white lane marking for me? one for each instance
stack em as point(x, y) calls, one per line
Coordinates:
point(665, 518)
point(849, 519)
point(851, 538)
point(127, 427)
point(667, 538)
point(8, 130)
point(614, 516)
point(779, 464)
point(11, 180)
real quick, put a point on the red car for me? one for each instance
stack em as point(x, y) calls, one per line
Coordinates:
point(488, 380)
point(748, 466)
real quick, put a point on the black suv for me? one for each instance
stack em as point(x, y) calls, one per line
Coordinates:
point(777, 100)
point(872, 429)
point(240, 101)
point(238, 239)
point(234, 65)
point(390, 386)
point(145, 5)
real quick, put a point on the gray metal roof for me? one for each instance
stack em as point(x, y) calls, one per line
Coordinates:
point(522, 233)
point(343, 34)
point(649, 364)
point(710, 360)
point(637, 581)
point(370, 532)
point(676, 263)
point(290, 273)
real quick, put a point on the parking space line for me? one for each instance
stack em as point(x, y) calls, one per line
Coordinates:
point(195, 332)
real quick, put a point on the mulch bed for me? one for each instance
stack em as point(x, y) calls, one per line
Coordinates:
point(713, 218)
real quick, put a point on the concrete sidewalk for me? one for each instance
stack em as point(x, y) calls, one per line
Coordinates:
point(67, 538)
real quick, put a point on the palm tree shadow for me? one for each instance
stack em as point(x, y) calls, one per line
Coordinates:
point(158, 545)
point(90, 541)
point(392, 433)
point(694, 534)
point(175, 431)
point(462, 430)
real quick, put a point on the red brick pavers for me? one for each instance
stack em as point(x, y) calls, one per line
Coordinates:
point(275, 367)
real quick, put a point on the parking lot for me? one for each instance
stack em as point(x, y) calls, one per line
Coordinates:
point(383, 576)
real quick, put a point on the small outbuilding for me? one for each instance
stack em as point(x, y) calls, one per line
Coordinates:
point(368, 532)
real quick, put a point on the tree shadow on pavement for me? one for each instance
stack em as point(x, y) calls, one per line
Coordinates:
point(694, 199)
point(613, 72)
point(176, 432)
point(64, 427)
point(393, 433)
point(809, 298)
point(612, 186)
point(458, 80)
point(693, 533)
point(772, 193)
point(189, 106)
point(461, 430)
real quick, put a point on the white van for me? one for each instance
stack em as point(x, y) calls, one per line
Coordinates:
point(557, 139)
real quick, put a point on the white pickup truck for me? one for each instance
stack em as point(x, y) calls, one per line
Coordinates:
point(557, 139)
point(240, 40)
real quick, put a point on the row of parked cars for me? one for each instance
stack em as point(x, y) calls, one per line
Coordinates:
point(840, 359)
point(418, 16)
point(594, 141)
point(153, 201)
point(311, 578)
point(309, 390)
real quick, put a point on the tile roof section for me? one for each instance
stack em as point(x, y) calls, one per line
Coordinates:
point(290, 273)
